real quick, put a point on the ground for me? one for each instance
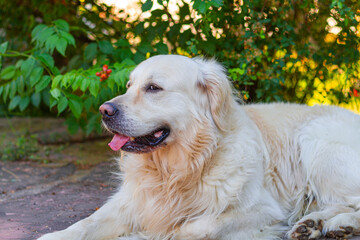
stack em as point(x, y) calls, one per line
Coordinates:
point(37, 199)
point(50, 186)
point(53, 186)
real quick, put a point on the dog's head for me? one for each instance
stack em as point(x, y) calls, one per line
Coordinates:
point(167, 96)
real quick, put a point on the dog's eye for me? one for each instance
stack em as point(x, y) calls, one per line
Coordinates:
point(153, 88)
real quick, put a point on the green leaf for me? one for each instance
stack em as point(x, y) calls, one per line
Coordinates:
point(46, 97)
point(62, 24)
point(63, 103)
point(68, 79)
point(47, 59)
point(36, 76)
point(27, 66)
point(75, 107)
point(20, 84)
point(208, 46)
point(94, 88)
point(19, 63)
point(69, 38)
point(122, 43)
point(13, 89)
point(139, 28)
point(24, 102)
point(90, 52)
point(51, 42)
point(217, 3)
point(39, 28)
point(3, 48)
point(60, 46)
point(85, 84)
point(56, 93)
point(56, 80)
point(35, 99)
point(44, 82)
point(106, 47)
point(201, 6)
point(14, 102)
point(139, 57)
point(162, 48)
point(88, 103)
point(128, 62)
point(8, 73)
point(147, 5)
point(53, 102)
point(145, 47)
point(101, 58)
point(6, 92)
point(44, 35)
point(76, 84)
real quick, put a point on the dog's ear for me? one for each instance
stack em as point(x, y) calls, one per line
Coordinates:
point(213, 80)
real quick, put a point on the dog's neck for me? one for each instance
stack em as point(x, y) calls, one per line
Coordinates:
point(169, 180)
point(186, 159)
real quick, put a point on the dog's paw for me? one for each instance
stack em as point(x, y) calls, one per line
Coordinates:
point(341, 233)
point(306, 230)
point(341, 226)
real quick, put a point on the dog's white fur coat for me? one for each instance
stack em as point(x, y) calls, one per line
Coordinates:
point(228, 171)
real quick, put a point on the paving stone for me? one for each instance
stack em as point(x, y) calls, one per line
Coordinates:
point(30, 215)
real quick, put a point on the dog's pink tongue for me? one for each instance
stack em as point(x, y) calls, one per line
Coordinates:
point(118, 141)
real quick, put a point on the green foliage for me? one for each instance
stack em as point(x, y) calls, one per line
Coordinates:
point(22, 148)
point(34, 80)
point(273, 50)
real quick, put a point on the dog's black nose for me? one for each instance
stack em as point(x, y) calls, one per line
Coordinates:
point(108, 110)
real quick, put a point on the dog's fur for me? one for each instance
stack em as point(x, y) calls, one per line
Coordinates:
point(227, 171)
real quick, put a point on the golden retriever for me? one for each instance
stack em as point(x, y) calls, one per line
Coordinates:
point(196, 164)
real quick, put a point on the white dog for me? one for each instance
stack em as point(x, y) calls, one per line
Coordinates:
point(198, 165)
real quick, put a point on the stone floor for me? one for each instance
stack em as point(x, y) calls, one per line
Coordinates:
point(35, 199)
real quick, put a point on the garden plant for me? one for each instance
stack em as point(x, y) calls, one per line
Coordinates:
point(66, 57)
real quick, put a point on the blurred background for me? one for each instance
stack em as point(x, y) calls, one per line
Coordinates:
point(60, 59)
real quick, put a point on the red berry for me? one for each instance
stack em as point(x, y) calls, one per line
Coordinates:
point(108, 71)
point(98, 74)
point(103, 76)
point(105, 67)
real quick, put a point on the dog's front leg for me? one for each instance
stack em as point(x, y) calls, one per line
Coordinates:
point(108, 222)
point(229, 226)
point(201, 228)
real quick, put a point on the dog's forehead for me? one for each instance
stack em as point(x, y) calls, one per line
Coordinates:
point(164, 68)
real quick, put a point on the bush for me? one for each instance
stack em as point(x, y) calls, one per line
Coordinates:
point(274, 51)
point(36, 81)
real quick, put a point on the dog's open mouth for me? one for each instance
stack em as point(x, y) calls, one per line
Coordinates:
point(141, 144)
